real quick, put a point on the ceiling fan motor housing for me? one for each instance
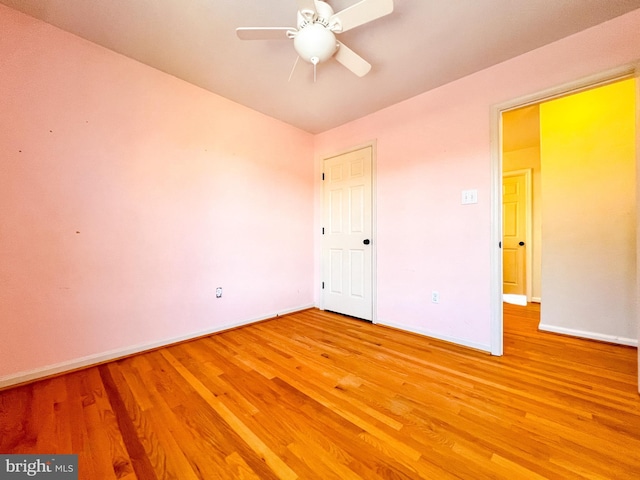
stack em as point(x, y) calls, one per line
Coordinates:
point(322, 14)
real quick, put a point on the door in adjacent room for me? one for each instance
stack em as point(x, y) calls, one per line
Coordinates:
point(347, 243)
point(514, 233)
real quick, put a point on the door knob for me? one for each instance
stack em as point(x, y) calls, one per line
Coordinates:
point(521, 244)
point(366, 242)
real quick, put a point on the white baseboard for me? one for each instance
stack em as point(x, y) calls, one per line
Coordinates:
point(96, 359)
point(631, 342)
point(458, 341)
point(536, 299)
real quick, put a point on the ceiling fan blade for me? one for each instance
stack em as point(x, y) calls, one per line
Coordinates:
point(264, 33)
point(352, 60)
point(362, 12)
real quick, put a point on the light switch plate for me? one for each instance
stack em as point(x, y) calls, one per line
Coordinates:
point(469, 196)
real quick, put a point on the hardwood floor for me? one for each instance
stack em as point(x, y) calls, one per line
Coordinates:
point(316, 395)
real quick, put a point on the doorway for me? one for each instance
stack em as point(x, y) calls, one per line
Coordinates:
point(580, 296)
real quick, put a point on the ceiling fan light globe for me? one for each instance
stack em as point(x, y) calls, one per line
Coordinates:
point(315, 40)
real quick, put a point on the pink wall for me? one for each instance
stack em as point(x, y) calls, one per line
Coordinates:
point(432, 147)
point(127, 196)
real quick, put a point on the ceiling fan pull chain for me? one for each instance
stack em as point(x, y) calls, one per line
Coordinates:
point(315, 61)
point(294, 68)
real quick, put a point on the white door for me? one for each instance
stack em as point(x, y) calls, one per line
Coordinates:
point(514, 231)
point(347, 245)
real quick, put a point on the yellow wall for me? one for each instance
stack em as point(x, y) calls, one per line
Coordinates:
point(588, 164)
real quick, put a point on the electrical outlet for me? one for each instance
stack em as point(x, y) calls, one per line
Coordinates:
point(435, 297)
point(218, 292)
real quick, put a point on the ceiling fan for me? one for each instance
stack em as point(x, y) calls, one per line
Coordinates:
point(314, 39)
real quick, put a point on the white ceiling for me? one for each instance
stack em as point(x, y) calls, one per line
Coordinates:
point(421, 45)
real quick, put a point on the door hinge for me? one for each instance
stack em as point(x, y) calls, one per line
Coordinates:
point(323, 285)
point(323, 230)
point(499, 244)
point(322, 175)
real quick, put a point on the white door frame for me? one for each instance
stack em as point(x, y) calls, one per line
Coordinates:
point(528, 259)
point(637, 76)
point(627, 71)
point(374, 236)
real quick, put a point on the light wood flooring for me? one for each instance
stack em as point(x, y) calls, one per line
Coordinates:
point(314, 395)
